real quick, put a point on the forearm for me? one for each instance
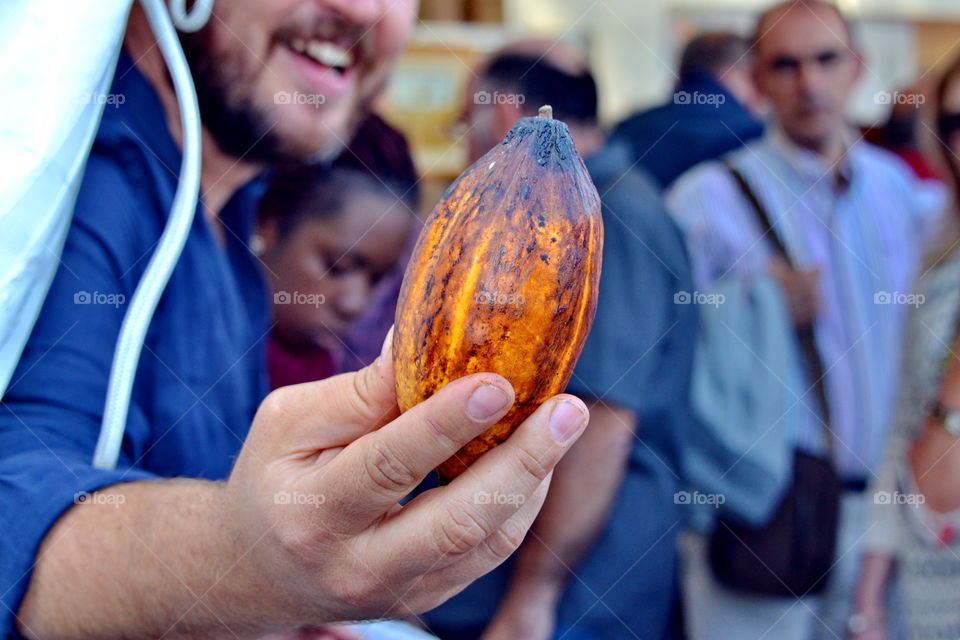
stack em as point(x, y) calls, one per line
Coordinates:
point(581, 496)
point(875, 571)
point(142, 560)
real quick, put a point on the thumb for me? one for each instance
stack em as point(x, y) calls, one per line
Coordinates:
point(332, 412)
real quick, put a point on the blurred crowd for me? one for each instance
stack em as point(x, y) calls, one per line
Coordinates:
point(772, 375)
point(770, 365)
point(772, 362)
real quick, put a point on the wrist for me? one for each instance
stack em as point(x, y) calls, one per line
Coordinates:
point(542, 591)
point(865, 621)
point(235, 588)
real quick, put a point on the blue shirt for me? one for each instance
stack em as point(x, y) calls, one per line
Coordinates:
point(201, 375)
point(639, 355)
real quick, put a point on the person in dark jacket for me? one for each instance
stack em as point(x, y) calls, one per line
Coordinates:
point(712, 111)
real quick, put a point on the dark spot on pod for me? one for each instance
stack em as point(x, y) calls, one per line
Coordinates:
point(553, 239)
point(545, 259)
point(541, 221)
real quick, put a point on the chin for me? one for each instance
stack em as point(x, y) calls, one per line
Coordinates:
point(313, 134)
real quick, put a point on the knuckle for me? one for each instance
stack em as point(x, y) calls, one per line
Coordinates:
point(360, 591)
point(387, 471)
point(437, 430)
point(460, 531)
point(275, 404)
point(300, 543)
point(504, 541)
point(533, 464)
point(364, 398)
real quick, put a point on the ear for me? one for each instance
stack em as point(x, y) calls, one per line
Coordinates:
point(269, 236)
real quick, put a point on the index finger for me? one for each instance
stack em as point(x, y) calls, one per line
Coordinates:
point(374, 473)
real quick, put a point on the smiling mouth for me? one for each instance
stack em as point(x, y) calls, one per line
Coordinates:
point(324, 52)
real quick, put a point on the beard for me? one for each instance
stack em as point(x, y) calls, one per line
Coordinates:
point(242, 128)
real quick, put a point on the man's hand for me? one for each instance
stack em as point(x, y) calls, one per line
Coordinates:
point(308, 529)
point(341, 543)
point(801, 290)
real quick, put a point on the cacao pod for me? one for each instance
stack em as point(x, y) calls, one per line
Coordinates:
point(503, 278)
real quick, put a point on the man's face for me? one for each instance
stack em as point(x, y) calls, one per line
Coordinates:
point(805, 67)
point(288, 79)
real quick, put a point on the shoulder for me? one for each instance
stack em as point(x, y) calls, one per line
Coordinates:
point(122, 203)
point(628, 194)
point(700, 188)
point(640, 120)
point(883, 165)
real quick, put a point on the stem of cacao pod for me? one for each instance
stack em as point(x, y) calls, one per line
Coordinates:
point(546, 111)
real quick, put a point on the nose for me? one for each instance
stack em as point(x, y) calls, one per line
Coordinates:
point(354, 295)
point(809, 76)
point(361, 12)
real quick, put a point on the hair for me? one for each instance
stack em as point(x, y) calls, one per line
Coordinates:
point(712, 54)
point(298, 194)
point(573, 96)
point(790, 5)
point(949, 76)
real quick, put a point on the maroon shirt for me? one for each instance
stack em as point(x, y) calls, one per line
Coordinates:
point(288, 366)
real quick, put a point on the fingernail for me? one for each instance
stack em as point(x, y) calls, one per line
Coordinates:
point(566, 421)
point(486, 401)
point(387, 343)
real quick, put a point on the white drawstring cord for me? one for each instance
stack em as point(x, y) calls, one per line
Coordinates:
point(195, 19)
point(174, 236)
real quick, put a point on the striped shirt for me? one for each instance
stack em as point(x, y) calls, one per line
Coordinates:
point(864, 225)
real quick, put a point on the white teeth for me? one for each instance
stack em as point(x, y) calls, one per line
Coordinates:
point(329, 54)
point(298, 45)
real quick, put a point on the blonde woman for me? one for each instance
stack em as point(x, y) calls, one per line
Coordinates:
point(915, 524)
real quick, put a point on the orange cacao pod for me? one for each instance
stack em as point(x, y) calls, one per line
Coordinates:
point(503, 278)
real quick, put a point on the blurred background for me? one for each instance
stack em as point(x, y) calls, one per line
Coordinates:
point(632, 48)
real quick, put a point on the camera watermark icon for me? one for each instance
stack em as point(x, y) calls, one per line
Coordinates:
point(895, 497)
point(298, 97)
point(698, 297)
point(899, 97)
point(699, 97)
point(498, 97)
point(112, 499)
point(696, 497)
point(299, 498)
point(497, 298)
point(297, 297)
point(96, 297)
point(104, 99)
point(485, 497)
point(896, 297)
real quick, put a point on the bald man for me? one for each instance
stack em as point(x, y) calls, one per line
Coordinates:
point(853, 230)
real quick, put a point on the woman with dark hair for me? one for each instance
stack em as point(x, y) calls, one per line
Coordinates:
point(327, 237)
point(916, 495)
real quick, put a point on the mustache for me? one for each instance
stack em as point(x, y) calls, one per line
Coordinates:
point(334, 28)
